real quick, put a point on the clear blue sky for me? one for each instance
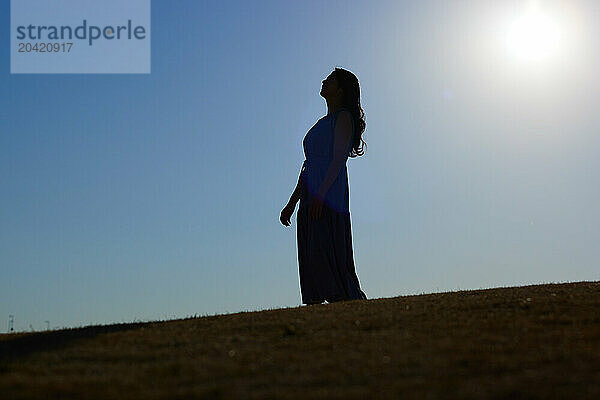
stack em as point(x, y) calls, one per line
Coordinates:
point(143, 197)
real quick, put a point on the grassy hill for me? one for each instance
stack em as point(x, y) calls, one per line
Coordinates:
point(529, 342)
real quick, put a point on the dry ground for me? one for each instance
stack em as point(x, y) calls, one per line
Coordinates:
point(530, 342)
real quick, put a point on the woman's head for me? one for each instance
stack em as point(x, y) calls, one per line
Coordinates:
point(342, 86)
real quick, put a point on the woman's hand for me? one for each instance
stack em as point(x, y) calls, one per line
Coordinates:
point(316, 208)
point(286, 214)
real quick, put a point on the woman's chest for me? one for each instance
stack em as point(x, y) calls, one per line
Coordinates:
point(318, 141)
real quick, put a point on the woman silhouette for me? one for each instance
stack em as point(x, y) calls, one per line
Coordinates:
point(325, 256)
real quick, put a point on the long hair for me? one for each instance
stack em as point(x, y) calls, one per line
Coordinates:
point(351, 100)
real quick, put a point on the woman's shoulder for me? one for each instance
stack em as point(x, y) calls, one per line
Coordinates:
point(337, 112)
point(340, 113)
point(343, 112)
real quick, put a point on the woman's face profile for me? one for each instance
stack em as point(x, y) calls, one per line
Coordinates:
point(330, 86)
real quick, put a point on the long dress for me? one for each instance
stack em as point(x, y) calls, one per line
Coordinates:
point(325, 256)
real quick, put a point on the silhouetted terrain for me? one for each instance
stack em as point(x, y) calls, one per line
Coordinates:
point(529, 342)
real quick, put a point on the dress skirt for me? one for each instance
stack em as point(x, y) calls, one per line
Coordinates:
point(325, 256)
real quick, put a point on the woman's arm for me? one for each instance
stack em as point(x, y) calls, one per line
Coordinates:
point(297, 191)
point(341, 141)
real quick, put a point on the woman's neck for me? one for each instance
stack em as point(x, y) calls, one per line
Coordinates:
point(333, 106)
point(331, 110)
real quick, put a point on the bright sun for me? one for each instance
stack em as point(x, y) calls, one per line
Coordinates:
point(533, 37)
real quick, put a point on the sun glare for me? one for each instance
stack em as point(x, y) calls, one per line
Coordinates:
point(533, 37)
